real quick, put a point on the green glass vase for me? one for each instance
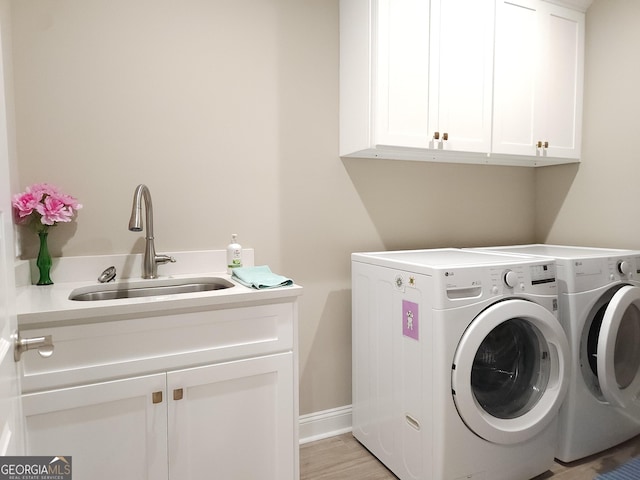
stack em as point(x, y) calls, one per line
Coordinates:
point(43, 261)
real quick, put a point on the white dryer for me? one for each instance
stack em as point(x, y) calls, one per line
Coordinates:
point(599, 295)
point(459, 363)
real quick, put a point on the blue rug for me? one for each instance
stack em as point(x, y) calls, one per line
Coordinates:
point(627, 471)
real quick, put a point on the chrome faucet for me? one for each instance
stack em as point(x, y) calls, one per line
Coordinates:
point(151, 260)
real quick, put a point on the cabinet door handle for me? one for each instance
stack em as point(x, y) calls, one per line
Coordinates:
point(445, 136)
point(539, 144)
point(546, 144)
point(436, 135)
point(156, 397)
point(44, 345)
point(178, 394)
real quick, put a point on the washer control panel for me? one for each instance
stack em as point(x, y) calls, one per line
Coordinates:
point(532, 278)
point(624, 268)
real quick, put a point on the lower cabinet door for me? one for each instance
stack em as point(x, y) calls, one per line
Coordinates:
point(111, 430)
point(233, 421)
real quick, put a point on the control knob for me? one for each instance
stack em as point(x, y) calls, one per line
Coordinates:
point(510, 278)
point(624, 268)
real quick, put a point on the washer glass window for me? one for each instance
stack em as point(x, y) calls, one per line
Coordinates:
point(626, 355)
point(589, 343)
point(511, 369)
point(592, 339)
point(626, 358)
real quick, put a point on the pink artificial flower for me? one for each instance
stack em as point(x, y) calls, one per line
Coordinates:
point(53, 210)
point(46, 202)
point(43, 189)
point(25, 203)
point(69, 201)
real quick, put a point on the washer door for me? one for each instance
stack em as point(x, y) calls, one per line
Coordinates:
point(510, 371)
point(619, 350)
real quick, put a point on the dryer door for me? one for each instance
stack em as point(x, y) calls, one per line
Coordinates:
point(619, 350)
point(510, 371)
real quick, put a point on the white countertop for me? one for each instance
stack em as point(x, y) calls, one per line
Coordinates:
point(39, 305)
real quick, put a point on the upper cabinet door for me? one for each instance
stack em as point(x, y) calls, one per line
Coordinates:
point(516, 66)
point(560, 103)
point(433, 74)
point(538, 80)
point(461, 74)
point(401, 73)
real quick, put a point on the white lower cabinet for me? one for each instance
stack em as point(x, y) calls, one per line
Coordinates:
point(230, 420)
point(110, 429)
point(233, 418)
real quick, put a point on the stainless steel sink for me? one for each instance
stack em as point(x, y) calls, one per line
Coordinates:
point(149, 288)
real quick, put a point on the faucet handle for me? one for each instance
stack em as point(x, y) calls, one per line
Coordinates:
point(160, 259)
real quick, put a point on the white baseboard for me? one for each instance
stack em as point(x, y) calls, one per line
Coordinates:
point(325, 424)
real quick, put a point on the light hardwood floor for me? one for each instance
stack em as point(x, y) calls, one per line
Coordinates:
point(343, 458)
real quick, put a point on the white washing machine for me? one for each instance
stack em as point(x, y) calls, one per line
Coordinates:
point(459, 363)
point(599, 297)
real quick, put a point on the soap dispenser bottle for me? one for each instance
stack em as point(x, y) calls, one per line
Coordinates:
point(234, 254)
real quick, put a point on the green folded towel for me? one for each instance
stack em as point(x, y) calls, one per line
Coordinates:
point(260, 277)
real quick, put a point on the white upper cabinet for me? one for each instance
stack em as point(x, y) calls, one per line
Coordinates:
point(418, 80)
point(538, 80)
point(416, 74)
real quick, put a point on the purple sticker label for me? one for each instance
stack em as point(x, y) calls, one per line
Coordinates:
point(410, 320)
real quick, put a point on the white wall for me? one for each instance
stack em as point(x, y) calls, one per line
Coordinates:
point(228, 111)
